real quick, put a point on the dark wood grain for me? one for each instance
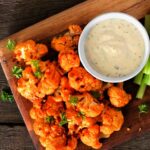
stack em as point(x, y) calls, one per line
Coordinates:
point(17, 138)
point(14, 138)
point(18, 14)
point(9, 113)
point(3, 80)
point(139, 143)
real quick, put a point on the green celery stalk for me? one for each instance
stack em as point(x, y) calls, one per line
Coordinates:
point(147, 23)
point(146, 69)
point(138, 78)
point(146, 79)
point(141, 91)
point(143, 78)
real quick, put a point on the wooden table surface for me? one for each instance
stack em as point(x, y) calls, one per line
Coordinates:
point(14, 16)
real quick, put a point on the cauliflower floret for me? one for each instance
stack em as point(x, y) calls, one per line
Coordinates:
point(74, 120)
point(41, 79)
point(54, 139)
point(90, 136)
point(29, 50)
point(68, 60)
point(89, 105)
point(49, 81)
point(64, 91)
point(39, 128)
point(26, 85)
point(36, 113)
point(118, 97)
point(82, 81)
point(68, 40)
point(112, 120)
point(51, 107)
point(62, 43)
point(75, 30)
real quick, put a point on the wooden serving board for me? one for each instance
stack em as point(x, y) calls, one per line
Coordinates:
point(81, 14)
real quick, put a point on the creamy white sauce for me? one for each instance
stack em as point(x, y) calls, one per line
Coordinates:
point(114, 47)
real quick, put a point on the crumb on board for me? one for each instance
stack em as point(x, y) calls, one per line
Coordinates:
point(128, 129)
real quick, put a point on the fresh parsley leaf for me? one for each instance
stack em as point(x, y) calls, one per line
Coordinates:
point(143, 108)
point(63, 119)
point(35, 63)
point(81, 114)
point(17, 71)
point(95, 94)
point(49, 119)
point(73, 100)
point(10, 44)
point(5, 96)
point(38, 73)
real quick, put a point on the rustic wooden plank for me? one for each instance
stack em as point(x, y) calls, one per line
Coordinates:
point(15, 138)
point(3, 80)
point(9, 113)
point(139, 6)
point(139, 143)
point(31, 12)
point(80, 14)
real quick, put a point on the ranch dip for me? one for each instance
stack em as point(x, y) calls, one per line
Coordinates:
point(114, 47)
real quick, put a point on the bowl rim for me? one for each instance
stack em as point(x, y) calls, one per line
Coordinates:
point(106, 16)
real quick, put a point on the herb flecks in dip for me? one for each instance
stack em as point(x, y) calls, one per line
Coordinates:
point(114, 47)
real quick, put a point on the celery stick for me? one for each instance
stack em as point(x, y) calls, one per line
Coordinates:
point(146, 69)
point(138, 78)
point(146, 79)
point(141, 90)
point(147, 23)
point(143, 78)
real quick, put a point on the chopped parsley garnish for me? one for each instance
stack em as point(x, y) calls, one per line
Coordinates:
point(73, 100)
point(95, 94)
point(17, 71)
point(5, 96)
point(38, 72)
point(81, 114)
point(35, 63)
point(49, 119)
point(10, 44)
point(63, 119)
point(143, 108)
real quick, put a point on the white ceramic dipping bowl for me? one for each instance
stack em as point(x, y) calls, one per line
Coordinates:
point(101, 18)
